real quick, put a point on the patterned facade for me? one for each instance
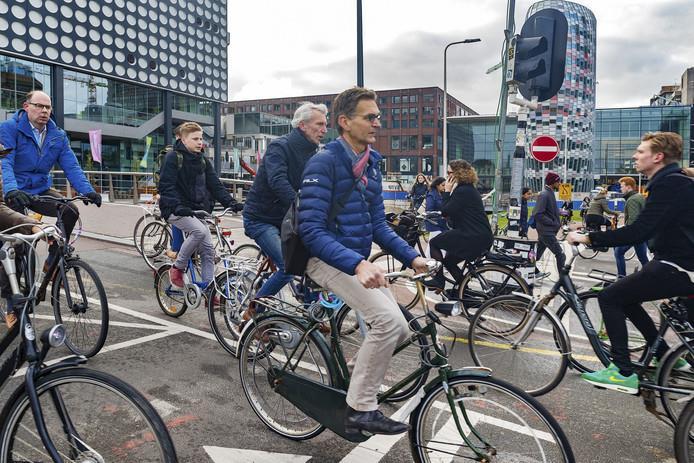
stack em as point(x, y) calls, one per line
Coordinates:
point(569, 116)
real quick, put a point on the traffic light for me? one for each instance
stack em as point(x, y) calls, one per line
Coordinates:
point(540, 55)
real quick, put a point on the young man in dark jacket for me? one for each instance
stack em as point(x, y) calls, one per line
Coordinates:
point(347, 171)
point(667, 222)
point(527, 192)
point(192, 185)
point(276, 183)
point(547, 221)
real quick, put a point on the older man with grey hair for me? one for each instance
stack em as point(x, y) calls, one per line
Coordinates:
point(276, 183)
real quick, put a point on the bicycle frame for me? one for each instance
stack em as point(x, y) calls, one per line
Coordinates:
point(438, 360)
point(28, 352)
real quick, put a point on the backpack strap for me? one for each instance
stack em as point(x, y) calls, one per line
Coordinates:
point(336, 208)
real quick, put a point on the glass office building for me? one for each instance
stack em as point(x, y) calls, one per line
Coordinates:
point(618, 132)
point(132, 68)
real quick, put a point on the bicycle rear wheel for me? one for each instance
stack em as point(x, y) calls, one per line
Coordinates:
point(586, 252)
point(141, 223)
point(154, 241)
point(404, 290)
point(681, 378)
point(401, 365)
point(110, 421)
point(85, 315)
point(537, 363)
point(264, 350)
point(514, 425)
point(486, 282)
point(170, 298)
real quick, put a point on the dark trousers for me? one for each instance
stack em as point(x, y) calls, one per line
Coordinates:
point(50, 208)
point(622, 300)
point(549, 241)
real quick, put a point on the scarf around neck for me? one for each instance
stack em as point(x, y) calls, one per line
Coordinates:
point(359, 161)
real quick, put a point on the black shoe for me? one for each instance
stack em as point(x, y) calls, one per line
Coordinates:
point(435, 283)
point(372, 422)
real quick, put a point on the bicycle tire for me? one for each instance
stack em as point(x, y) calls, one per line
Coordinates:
point(351, 340)
point(249, 250)
point(85, 323)
point(142, 222)
point(171, 300)
point(669, 376)
point(511, 421)
point(267, 342)
point(683, 440)
point(586, 252)
point(493, 332)
point(404, 290)
point(472, 293)
point(154, 241)
point(233, 288)
point(111, 417)
point(630, 254)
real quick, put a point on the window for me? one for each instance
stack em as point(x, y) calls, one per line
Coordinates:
point(395, 111)
point(427, 110)
point(403, 123)
point(396, 100)
point(396, 123)
point(414, 123)
point(395, 143)
point(428, 97)
point(382, 100)
point(413, 110)
point(427, 123)
point(405, 99)
point(413, 98)
point(427, 141)
point(411, 142)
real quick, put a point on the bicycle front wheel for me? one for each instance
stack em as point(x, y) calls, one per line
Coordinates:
point(519, 347)
point(154, 241)
point(80, 304)
point(404, 290)
point(684, 435)
point(677, 372)
point(513, 425)
point(171, 299)
point(90, 416)
point(264, 351)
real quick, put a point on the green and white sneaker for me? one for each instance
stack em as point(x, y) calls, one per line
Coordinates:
point(610, 378)
point(680, 365)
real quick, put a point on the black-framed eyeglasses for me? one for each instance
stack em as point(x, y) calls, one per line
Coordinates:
point(371, 117)
point(47, 107)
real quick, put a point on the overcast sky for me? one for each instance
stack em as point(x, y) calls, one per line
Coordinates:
point(282, 48)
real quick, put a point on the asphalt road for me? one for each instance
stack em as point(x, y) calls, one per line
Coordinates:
point(195, 385)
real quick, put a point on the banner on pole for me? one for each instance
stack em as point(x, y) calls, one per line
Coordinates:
point(95, 144)
point(148, 143)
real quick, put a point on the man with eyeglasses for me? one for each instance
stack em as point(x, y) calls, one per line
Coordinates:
point(340, 214)
point(37, 144)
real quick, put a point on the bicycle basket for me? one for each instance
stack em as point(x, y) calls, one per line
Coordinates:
point(405, 226)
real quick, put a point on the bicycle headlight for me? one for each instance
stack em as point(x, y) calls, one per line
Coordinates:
point(56, 336)
point(450, 308)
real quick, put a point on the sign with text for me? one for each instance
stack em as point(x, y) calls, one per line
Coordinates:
point(565, 191)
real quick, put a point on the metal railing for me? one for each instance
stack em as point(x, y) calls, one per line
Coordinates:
point(135, 187)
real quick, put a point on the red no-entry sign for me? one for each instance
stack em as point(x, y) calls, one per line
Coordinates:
point(544, 148)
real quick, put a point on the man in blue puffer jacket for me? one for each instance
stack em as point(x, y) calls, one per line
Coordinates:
point(346, 172)
point(37, 144)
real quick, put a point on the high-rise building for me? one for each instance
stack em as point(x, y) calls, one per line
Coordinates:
point(411, 134)
point(668, 95)
point(687, 86)
point(568, 116)
point(131, 68)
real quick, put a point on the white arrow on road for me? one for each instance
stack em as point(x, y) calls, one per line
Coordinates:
point(226, 455)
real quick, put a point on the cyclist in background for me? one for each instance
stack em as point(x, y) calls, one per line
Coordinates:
point(526, 194)
point(418, 191)
point(667, 221)
point(595, 215)
point(434, 201)
point(632, 208)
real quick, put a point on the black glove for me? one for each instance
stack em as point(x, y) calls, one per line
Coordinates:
point(236, 207)
point(183, 211)
point(18, 199)
point(94, 197)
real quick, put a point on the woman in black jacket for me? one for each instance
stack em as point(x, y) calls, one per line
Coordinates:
point(470, 235)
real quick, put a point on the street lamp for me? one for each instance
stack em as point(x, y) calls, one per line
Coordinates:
point(445, 100)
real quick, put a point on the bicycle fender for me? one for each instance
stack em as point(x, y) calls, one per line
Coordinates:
point(69, 362)
point(481, 372)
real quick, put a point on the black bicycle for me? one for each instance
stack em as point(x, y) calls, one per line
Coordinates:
point(523, 341)
point(78, 297)
point(65, 412)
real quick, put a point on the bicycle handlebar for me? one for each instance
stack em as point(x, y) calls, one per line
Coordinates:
point(433, 266)
point(20, 237)
point(61, 199)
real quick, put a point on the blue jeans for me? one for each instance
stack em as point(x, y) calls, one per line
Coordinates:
point(619, 251)
point(176, 238)
point(267, 236)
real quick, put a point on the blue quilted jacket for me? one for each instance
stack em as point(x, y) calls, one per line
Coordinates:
point(28, 167)
point(347, 241)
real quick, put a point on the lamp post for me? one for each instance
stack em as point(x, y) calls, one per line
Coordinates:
point(445, 102)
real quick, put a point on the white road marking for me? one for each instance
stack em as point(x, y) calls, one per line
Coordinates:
point(227, 455)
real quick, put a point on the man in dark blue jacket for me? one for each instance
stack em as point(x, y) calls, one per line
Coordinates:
point(37, 144)
point(276, 183)
point(547, 220)
point(667, 223)
point(343, 181)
